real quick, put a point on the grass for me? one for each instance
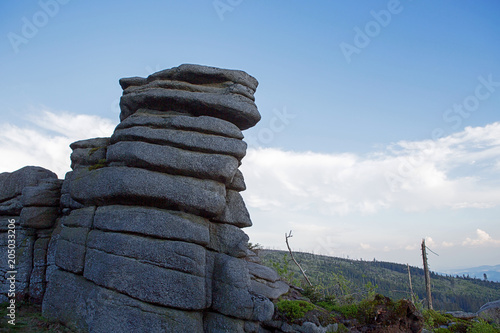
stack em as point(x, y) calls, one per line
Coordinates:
point(344, 277)
point(29, 319)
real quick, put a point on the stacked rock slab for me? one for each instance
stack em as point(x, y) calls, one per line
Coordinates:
point(151, 239)
point(29, 208)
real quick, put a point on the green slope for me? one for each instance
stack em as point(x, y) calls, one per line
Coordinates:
point(448, 293)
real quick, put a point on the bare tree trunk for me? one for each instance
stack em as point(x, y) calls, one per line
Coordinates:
point(411, 287)
point(427, 276)
point(293, 258)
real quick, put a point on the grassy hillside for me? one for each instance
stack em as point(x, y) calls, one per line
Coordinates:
point(448, 293)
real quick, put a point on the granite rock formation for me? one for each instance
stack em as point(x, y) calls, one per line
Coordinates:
point(29, 198)
point(145, 233)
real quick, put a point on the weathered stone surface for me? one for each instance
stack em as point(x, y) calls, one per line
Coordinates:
point(189, 140)
point(38, 217)
point(162, 119)
point(72, 291)
point(46, 193)
point(132, 81)
point(75, 235)
point(153, 222)
point(234, 108)
point(88, 307)
point(232, 301)
point(490, 312)
point(254, 327)
point(262, 272)
point(147, 282)
point(229, 239)
point(83, 157)
point(198, 74)
point(263, 308)
point(12, 183)
point(51, 250)
point(238, 182)
point(230, 270)
point(83, 217)
point(197, 90)
point(271, 290)
point(222, 88)
point(236, 212)
point(66, 201)
point(40, 253)
point(90, 143)
point(113, 185)
point(252, 256)
point(180, 256)
point(37, 287)
point(462, 314)
point(70, 256)
point(230, 287)
point(69, 204)
point(37, 278)
point(173, 160)
point(217, 323)
point(11, 207)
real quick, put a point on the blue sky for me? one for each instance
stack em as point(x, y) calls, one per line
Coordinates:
point(362, 153)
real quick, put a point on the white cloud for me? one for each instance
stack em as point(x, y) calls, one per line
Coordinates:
point(447, 244)
point(365, 246)
point(44, 140)
point(482, 238)
point(429, 242)
point(457, 171)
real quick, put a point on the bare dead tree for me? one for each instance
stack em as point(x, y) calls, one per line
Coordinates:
point(293, 258)
point(427, 276)
point(411, 287)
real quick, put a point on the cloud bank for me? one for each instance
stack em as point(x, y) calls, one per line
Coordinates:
point(337, 203)
point(457, 171)
point(44, 139)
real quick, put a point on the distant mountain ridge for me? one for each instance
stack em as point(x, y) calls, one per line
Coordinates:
point(492, 272)
point(449, 292)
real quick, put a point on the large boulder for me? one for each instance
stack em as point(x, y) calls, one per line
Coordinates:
point(13, 183)
point(194, 90)
point(490, 312)
point(134, 186)
point(86, 306)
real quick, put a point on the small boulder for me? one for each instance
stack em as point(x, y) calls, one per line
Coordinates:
point(490, 312)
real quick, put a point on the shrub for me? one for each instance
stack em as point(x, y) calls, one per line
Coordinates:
point(433, 318)
point(294, 309)
point(482, 326)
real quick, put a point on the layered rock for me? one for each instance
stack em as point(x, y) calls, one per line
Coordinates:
point(30, 200)
point(490, 312)
point(151, 236)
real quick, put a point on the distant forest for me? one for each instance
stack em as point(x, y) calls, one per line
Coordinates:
point(449, 293)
